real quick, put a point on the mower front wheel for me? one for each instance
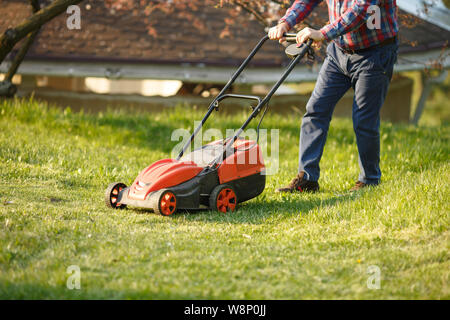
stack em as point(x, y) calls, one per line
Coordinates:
point(165, 202)
point(223, 198)
point(112, 195)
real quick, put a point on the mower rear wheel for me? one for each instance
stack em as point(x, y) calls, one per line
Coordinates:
point(166, 202)
point(223, 198)
point(112, 195)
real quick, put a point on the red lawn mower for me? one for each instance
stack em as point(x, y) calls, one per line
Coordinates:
point(216, 176)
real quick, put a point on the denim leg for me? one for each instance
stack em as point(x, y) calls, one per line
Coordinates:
point(371, 86)
point(331, 85)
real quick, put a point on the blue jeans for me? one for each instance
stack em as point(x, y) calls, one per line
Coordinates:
point(369, 74)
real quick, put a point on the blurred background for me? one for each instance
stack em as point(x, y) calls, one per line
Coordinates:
point(154, 54)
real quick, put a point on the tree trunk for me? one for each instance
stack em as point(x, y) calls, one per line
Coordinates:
point(11, 36)
point(26, 46)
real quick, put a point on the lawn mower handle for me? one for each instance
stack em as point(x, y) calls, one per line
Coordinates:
point(261, 103)
point(290, 37)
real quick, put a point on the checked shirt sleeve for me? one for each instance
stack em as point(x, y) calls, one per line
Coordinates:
point(299, 10)
point(352, 19)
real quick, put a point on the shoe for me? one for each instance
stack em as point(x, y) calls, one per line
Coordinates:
point(358, 186)
point(299, 184)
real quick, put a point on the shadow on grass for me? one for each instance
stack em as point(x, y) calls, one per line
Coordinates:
point(257, 212)
point(31, 291)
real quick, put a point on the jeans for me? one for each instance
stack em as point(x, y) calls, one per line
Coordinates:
point(369, 74)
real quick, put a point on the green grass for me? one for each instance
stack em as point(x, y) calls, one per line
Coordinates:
point(437, 108)
point(54, 166)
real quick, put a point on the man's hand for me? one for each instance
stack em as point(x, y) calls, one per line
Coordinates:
point(276, 33)
point(309, 33)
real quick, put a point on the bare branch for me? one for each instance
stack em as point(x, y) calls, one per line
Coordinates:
point(253, 12)
point(26, 46)
point(11, 36)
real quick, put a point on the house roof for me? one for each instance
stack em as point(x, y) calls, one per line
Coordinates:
point(122, 36)
point(434, 12)
point(108, 35)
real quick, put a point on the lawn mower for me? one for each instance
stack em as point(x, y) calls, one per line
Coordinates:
point(216, 176)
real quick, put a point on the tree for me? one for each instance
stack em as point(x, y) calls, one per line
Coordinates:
point(27, 29)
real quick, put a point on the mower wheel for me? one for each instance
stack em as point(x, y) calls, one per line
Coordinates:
point(112, 194)
point(223, 198)
point(165, 202)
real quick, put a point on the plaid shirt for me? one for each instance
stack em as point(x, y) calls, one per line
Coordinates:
point(348, 25)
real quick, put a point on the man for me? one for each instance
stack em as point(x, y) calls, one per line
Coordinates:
point(361, 55)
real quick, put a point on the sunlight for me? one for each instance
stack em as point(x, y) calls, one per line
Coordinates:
point(164, 88)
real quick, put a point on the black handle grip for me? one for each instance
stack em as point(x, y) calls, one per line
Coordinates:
point(290, 37)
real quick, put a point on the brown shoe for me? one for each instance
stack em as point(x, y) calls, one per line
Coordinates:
point(298, 184)
point(358, 186)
